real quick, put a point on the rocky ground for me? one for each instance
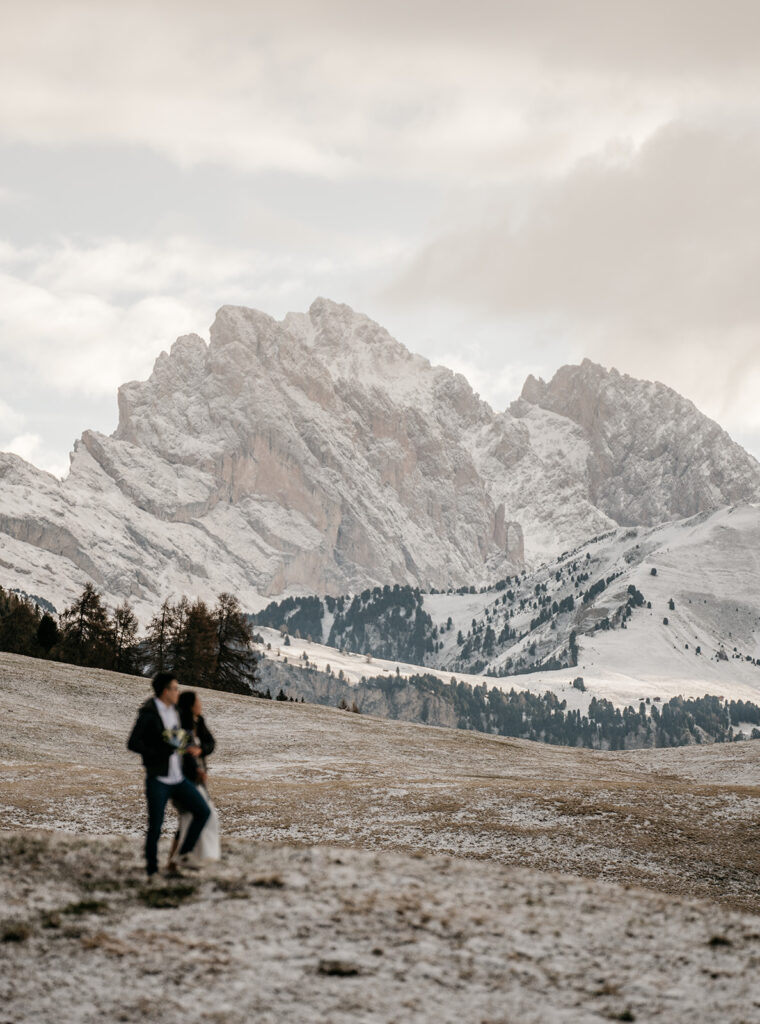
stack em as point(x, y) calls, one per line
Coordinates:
point(278, 934)
point(372, 871)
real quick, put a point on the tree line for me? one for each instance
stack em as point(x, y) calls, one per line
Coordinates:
point(384, 622)
point(204, 646)
point(546, 718)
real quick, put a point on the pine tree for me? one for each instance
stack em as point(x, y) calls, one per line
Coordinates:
point(86, 633)
point(19, 624)
point(126, 646)
point(157, 641)
point(236, 663)
point(488, 641)
point(47, 633)
point(573, 645)
point(200, 649)
point(178, 646)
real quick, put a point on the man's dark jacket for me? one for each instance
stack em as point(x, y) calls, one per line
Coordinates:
point(147, 739)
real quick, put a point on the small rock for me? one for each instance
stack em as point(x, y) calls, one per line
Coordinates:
point(340, 968)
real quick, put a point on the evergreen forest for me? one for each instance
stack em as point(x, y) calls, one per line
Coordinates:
point(204, 646)
point(547, 719)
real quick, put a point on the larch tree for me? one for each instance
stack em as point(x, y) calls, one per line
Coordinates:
point(126, 644)
point(158, 638)
point(236, 661)
point(86, 632)
point(200, 649)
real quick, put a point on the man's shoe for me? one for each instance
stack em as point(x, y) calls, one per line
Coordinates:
point(173, 870)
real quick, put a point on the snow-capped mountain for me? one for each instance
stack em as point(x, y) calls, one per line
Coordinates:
point(317, 454)
point(653, 456)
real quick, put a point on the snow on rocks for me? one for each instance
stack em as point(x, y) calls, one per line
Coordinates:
point(317, 454)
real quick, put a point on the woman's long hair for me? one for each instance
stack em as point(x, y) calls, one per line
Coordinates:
point(185, 709)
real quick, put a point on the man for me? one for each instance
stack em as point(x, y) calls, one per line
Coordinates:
point(158, 738)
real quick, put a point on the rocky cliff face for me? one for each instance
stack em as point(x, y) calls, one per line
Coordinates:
point(339, 452)
point(652, 455)
point(402, 701)
point(318, 454)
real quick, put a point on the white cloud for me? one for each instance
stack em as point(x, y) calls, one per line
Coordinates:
point(77, 342)
point(470, 92)
point(10, 419)
point(32, 448)
point(645, 260)
point(667, 233)
point(25, 445)
point(85, 318)
point(599, 163)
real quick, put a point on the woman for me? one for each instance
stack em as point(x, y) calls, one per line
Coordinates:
point(194, 769)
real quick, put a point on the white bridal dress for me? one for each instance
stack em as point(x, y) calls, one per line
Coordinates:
point(208, 847)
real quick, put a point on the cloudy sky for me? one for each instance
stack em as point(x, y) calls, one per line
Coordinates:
point(505, 186)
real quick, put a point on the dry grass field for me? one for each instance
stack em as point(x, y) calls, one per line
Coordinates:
point(411, 807)
point(683, 821)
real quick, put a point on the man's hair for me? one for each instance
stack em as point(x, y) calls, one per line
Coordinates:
point(161, 680)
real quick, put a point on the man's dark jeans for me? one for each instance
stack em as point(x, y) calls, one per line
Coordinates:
point(189, 799)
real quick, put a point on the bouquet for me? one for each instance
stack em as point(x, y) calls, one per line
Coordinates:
point(177, 738)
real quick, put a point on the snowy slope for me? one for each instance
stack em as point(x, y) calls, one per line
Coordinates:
point(708, 566)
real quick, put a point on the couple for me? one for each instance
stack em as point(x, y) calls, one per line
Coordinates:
point(173, 741)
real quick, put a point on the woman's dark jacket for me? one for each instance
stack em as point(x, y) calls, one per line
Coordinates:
point(191, 766)
point(147, 739)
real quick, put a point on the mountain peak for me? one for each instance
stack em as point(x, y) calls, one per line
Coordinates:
point(642, 434)
point(319, 454)
point(573, 377)
point(323, 307)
